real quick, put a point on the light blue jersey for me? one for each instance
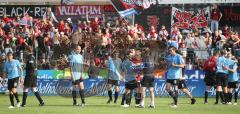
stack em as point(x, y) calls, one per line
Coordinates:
point(128, 67)
point(147, 66)
point(12, 69)
point(221, 61)
point(232, 76)
point(174, 72)
point(76, 64)
point(114, 69)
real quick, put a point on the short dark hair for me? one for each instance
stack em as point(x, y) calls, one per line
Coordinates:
point(9, 53)
point(173, 48)
point(217, 51)
point(223, 52)
point(76, 46)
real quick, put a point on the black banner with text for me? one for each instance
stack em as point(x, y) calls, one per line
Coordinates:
point(231, 16)
point(12, 11)
point(155, 16)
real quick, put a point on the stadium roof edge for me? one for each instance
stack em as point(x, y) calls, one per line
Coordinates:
point(107, 2)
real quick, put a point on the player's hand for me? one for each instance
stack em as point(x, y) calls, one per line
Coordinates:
point(225, 68)
point(214, 69)
point(173, 64)
point(183, 78)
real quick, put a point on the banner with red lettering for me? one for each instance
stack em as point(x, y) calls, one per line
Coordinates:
point(231, 16)
point(80, 11)
point(192, 19)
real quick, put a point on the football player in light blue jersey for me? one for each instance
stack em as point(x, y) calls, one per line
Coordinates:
point(221, 77)
point(232, 78)
point(114, 76)
point(183, 86)
point(147, 81)
point(76, 71)
point(175, 64)
point(11, 69)
point(129, 75)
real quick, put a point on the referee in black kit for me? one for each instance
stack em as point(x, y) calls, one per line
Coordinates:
point(30, 80)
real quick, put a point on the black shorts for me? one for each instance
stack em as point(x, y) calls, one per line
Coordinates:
point(13, 83)
point(182, 84)
point(221, 79)
point(131, 85)
point(210, 78)
point(113, 82)
point(233, 84)
point(76, 82)
point(147, 81)
point(173, 81)
point(30, 81)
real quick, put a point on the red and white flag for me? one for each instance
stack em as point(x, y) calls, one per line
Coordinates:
point(146, 4)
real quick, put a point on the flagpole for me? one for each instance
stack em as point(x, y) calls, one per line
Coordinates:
point(171, 21)
point(183, 6)
point(133, 19)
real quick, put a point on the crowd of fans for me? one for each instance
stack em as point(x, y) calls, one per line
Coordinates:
point(53, 40)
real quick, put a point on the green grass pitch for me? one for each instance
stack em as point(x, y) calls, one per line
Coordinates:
point(97, 105)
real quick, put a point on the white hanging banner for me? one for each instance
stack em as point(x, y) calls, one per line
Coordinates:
point(190, 1)
point(67, 2)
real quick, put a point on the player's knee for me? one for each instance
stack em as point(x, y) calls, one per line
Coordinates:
point(128, 95)
point(151, 90)
point(74, 88)
point(116, 89)
point(184, 90)
point(219, 88)
point(236, 89)
point(143, 95)
point(81, 86)
point(167, 89)
point(14, 90)
point(127, 91)
point(109, 87)
point(225, 89)
point(229, 90)
point(10, 92)
point(176, 90)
